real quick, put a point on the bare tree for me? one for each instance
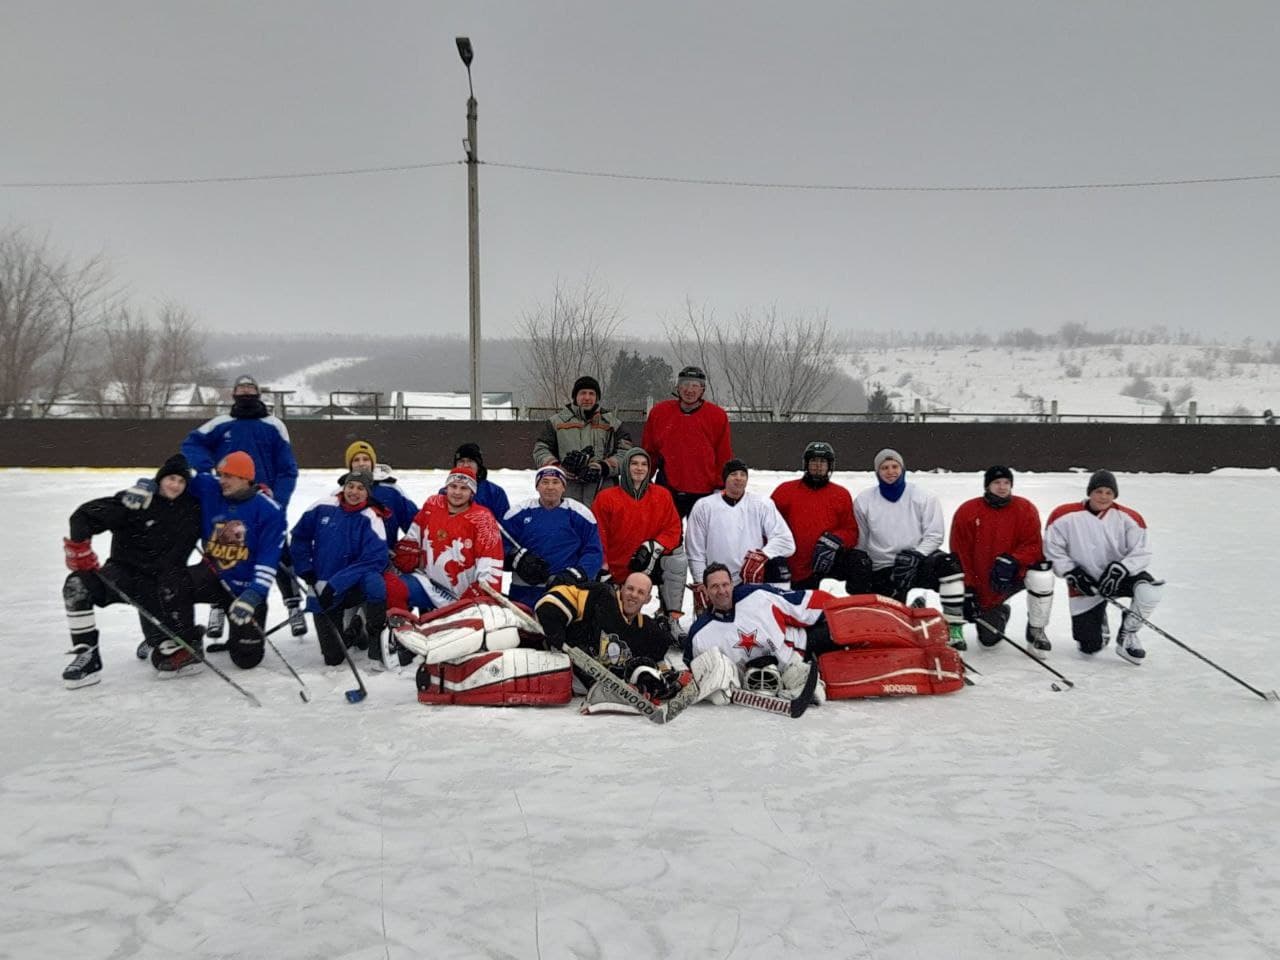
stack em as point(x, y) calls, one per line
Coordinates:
point(762, 364)
point(143, 362)
point(47, 304)
point(576, 334)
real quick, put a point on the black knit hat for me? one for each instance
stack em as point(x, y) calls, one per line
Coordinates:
point(1103, 478)
point(585, 383)
point(471, 451)
point(177, 466)
point(996, 473)
point(362, 477)
point(733, 466)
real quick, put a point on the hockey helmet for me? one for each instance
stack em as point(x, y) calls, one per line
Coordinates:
point(818, 450)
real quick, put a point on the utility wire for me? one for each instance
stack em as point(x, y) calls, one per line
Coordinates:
point(649, 178)
point(246, 178)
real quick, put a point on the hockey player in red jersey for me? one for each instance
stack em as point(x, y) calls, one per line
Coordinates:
point(820, 515)
point(997, 539)
point(1101, 549)
point(688, 441)
point(452, 544)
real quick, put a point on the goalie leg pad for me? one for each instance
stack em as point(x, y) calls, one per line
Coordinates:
point(1039, 583)
point(498, 678)
point(715, 675)
point(890, 672)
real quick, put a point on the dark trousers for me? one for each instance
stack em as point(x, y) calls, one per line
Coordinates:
point(1090, 629)
point(84, 590)
point(182, 589)
point(862, 579)
point(363, 633)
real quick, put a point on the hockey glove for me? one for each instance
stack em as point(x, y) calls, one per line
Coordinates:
point(530, 567)
point(326, 598)
point(241, 611)
point(594, 472)
point(646, 557)
point(79, 555)
point(138, 497)
point(1004, 573)
point(824, 553)
point(1083, 584)
point(574, 462)
point(569, 577)
point(905, 567)
point(408, 556)
point(1113, 578)
point(700, 600)
point(753, 567)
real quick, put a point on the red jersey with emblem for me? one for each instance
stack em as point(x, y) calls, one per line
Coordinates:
point(981, 532)
point(458, 549)
point(764, 622)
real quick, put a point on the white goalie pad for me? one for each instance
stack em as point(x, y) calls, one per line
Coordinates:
point(461, 631)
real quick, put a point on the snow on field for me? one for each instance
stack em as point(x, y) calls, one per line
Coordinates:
point(1084, 381)
point(1137, 816)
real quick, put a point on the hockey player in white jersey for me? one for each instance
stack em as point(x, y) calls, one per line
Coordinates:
point(901, 529)
point(757, 637)
point(741, 530)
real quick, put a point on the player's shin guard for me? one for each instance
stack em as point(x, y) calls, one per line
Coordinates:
point(79, 606)
point(1146, 597)
point(1039, 585)
point(951, 594)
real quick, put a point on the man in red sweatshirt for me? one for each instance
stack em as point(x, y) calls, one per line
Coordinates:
point(820, 515)
point(688, 441)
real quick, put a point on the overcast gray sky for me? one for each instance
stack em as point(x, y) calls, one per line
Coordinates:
point(892, 93)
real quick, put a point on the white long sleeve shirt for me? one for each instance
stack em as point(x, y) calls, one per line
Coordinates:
point(887, 527)
point(721, 532)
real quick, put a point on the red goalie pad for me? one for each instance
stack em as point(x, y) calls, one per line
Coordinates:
point(498, 678)
point(886, 672)
point(869, 621)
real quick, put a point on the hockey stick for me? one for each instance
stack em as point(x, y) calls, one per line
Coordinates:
point(222, 647)
point(164, 628)
point(1026, 653)
point(792, 708)
point(303, 693)
point(1271, 695)
point(353, 696)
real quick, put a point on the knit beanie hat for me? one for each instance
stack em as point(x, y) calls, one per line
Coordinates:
point(996, 473)
point(550, 470)
point(1103, 478)
point(360, 446)
point(244, 380)
point(733, 466)
point(888, 453)
point(585, 383)
point(237, 463)
point(362, 477)
point(176, 466)
point(463, 475)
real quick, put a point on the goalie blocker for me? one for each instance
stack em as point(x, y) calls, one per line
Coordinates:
point(471, 654)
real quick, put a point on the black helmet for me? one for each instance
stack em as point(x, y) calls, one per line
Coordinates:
point(820, 451)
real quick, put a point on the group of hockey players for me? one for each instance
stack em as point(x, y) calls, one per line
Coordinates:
point(608, 523)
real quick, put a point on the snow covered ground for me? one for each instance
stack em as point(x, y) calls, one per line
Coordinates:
point(1136, 816)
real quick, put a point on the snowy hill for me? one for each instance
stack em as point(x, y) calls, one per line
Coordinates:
point(1084, 381)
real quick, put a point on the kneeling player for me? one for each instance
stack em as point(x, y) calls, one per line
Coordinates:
point(757, 637)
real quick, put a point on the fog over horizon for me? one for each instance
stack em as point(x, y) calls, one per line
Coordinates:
point(820, 107)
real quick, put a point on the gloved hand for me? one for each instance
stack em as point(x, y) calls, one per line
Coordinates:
point(138, 497)
point(646, 676)
point(408, 556)
point(753, 567)
point(700, 599)
point(569, 577)
point(326, 598)
point(594, 472)
point(1082, 583)
point(530, 567)
point(1004, 573)
point(79, 555)
point(574, 462)
point(241, 611)
point(1113, 578)
point(309, 578)
point(905, 566)
point(646, 557)
point(825, 552)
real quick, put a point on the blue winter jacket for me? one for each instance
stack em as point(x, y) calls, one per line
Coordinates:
point(264, 438)
point(337, 546)
point(242, 538)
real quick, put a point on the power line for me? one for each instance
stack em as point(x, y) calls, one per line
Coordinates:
point(648, 178)
point(246, 178)
point(873, 188)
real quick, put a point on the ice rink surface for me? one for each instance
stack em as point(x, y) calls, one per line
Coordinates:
point(1137, 815)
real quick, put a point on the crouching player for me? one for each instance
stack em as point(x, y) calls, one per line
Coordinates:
point(756, 637)
point(605, 621)
point(340, 549)
point(243, 532)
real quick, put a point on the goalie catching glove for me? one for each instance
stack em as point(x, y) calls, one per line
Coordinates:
point(530, 567)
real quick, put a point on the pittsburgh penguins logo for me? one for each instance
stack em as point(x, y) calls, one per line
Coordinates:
point(226, 544)
point(613, 650)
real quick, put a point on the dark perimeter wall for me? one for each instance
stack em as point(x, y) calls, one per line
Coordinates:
point(1172, 448)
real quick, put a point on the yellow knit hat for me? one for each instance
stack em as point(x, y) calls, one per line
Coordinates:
point(360, 446)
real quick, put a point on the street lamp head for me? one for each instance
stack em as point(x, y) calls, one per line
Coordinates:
point(464, 50)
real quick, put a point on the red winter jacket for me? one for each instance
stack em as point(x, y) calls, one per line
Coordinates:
point(689, 448)
point(626, 522)
point(981, 532)
point(810, 513)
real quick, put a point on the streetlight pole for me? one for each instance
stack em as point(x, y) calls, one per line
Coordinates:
point(473, 225)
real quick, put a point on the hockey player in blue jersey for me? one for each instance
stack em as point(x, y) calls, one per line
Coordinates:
point(397, 511)
point(558, 540)
point(340, 549)
point(243, 533)
point(249, 428)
